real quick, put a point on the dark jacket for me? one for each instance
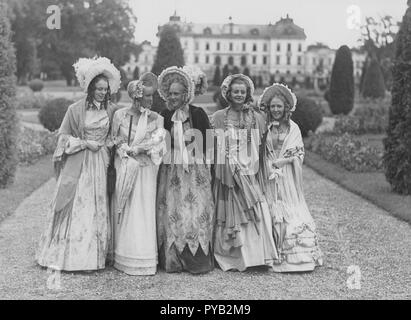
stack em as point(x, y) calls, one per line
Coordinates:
point(199, 120)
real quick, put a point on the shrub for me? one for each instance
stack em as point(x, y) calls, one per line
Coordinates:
point(33, 144)
point(8, 116)
point(373, 85)
point(351, 153)
point(116, 97)
point(52, 114)
point(397, 145)
point(219, 100)
point(169, 51)
point(341, 95)
point(308, 115)
point(36, 85)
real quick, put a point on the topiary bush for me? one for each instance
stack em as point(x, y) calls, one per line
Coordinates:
point(308, 115)
point(8, 116)
point(36, 85)
point(397, 144)
point(219, 100)
point(52, 114)
point(373, 85)
point(341, 95)
point(28, 100)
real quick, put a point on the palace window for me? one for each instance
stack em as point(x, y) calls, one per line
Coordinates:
point(197, 46)
point(196, 59)
point(207, 59)
point(254, 60)
point(265, 47)
point(265, 60)
point(207, 46)
point(299, 60)
point(288, 60)
point(288, 46)
point(218, 46)
point(244, 46)
point(278, 60)
point(231, 46)
point(278, 47)
point(300, 47)
point(254, 47)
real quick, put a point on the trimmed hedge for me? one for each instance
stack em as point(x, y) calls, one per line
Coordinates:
point(8, 115)
point(308, 115)
point(52, 114)
point(341, 95)
point(373, 85)
point(36, 85)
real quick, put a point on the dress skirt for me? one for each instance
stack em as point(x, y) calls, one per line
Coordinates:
point(81, 241)
point(185, 220)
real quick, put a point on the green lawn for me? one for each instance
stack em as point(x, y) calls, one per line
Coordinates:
point(27, 180)
point(369, 185)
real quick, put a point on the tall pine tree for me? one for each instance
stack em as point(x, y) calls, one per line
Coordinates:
point(169, 53)
point(342, 82)
point(373, 85)
point(8, 117)
point(397, 144)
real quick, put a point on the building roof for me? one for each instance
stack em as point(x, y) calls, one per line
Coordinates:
point(285, 28)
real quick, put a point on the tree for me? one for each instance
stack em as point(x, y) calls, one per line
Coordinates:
point(373, 86)
point(8, 116)
point(397, 144)
point(217, 76)
point(88, 28)
point(378, 39)
point(342, 82)
point(169, 51)
point(136, 73)
point(226, 71)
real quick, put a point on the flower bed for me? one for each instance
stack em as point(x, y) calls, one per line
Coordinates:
point(352, 153)
point(33, 144)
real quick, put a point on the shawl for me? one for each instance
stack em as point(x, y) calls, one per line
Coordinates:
point(68, 167)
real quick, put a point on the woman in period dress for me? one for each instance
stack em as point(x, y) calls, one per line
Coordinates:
point(184, 200)
point(243, 227)
point(281, 179)
point(77, 234)
point(139, 138)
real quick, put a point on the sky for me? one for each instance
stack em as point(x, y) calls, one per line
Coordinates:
point(328, 21)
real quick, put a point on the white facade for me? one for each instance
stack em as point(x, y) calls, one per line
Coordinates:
point(144, 62)
point(276, 52)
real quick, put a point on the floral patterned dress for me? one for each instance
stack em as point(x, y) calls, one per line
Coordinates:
point(81, 240)
point(185, 220)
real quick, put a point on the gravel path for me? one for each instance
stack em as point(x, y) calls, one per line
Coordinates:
point(353, 232)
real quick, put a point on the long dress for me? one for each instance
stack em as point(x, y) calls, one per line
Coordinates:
point(134, 199)
point(77, 235)
point(185, 205)
point(243, 224)
point(294, 229)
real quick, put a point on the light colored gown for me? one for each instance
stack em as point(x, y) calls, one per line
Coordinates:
point(294, 228)
point(243, 230)
point(80, 242)
point(135, 241)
